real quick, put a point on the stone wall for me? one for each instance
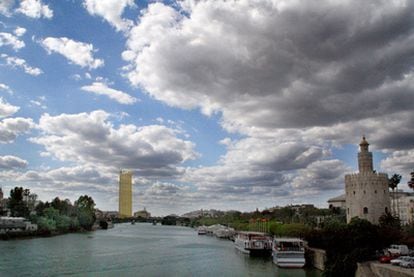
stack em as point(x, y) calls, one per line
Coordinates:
point(316, 257)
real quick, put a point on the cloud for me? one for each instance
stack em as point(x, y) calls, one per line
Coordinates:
point(79, 53)
point(255, 166)
point(12, 162)
point(89, 138)
point(11, 40)
point(6, 88)
point(100, 88)
point(320, 176)
point(6, 6)
point(71, 176)
point(111, 11)
point(20, 31)
point(293, 65)
point(39, 103)
point(7, 109)
point(400, 162)
point(16, 62)
point(35, 9)
point(10, 128)
point(309, 76)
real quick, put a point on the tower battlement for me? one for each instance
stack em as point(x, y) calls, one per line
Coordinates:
point(357, 176)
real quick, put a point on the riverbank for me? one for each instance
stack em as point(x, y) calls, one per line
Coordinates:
point(36, 234)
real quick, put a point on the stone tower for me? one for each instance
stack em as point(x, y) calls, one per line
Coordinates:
point(125, 194)
point(366, 192)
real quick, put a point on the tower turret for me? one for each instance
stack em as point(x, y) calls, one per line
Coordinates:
point(364, 157)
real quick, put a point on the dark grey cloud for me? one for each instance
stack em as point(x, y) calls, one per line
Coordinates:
point(286, 65)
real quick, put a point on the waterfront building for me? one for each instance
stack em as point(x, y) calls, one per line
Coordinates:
point(16, 225)
point(402, 204)
point(143, 214)
point(125, 194)
point(338, 202)
point(366, 192)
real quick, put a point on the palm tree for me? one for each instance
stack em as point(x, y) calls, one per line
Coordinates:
point(411, 182)
point(393, 184)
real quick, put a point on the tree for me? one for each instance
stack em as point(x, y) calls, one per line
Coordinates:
point(63, 206)
point(17, 206)
point(388, 220)
point(392, 184)
point(85, 211)
point(85, 202)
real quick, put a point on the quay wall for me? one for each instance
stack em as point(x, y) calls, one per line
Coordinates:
point(316, 257)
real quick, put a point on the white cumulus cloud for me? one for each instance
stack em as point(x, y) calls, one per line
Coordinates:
point(11, 40)
point(79, 53)
point(35, 9)
point(6, 88)
point(10, 128)
point(111, 11)
point(20, 31)
point(100, 88)
point(16, 62)
point(6, 6)
point(7, 109)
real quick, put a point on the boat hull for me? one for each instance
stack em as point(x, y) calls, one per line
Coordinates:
point(289, 263)
point(288, 252)
point(243, 250)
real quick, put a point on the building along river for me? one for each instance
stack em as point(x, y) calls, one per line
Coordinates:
point(135, 250)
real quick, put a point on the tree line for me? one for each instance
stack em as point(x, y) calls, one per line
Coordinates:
point(56, 216)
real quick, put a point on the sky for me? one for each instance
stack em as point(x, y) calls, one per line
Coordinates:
point(212, 104)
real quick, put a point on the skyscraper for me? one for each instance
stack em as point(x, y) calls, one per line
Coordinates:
point(125, 193)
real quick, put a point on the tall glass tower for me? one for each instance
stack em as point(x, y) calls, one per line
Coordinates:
point(125, 194)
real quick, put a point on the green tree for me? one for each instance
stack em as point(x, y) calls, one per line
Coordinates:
point(63, 206)
point(85, 202)
point(46, 225)
point(16, 204)
point(85, 211)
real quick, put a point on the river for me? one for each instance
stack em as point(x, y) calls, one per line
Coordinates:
point(135, 250)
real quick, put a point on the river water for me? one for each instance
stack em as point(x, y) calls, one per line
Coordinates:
point(135, 250)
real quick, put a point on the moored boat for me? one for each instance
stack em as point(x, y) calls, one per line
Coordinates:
point(253, 243)
point(201, 230)
point(288, 252)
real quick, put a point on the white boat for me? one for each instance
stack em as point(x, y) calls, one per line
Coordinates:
point(202, 230)
point(288, 252)
point(224, 233)
point(253, 243)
